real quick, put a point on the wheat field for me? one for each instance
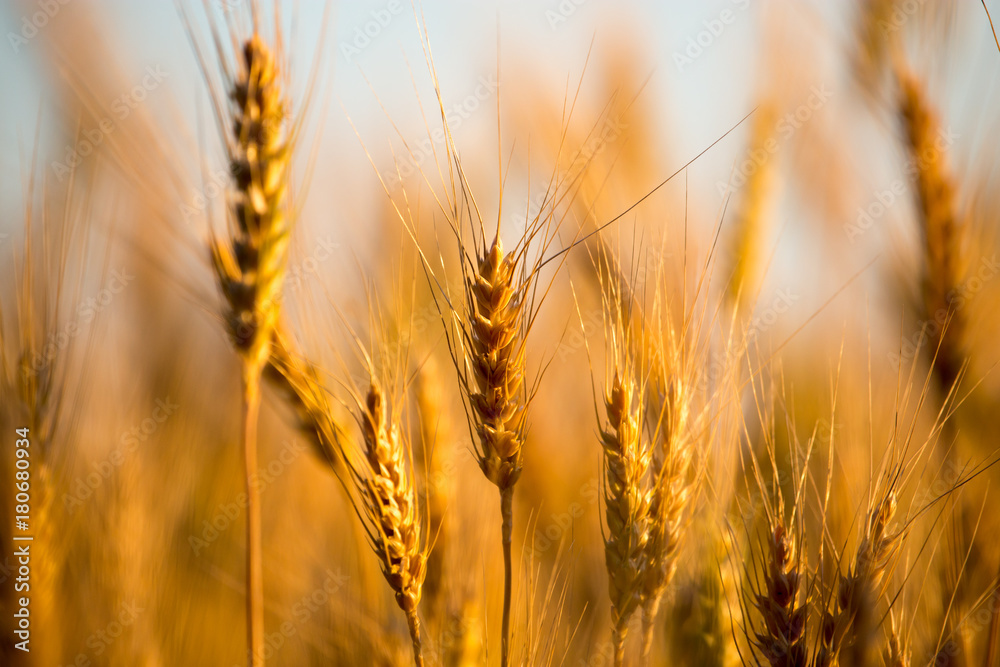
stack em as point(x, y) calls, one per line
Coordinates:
point(522, 332)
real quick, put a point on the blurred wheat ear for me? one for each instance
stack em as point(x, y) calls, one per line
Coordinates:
point(940, 225)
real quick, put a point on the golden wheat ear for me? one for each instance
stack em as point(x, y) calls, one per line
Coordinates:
point(393, 517)
point(625, 505)
point(497, 354)
point(250, 265)
point(495, 332)
point(940, 224)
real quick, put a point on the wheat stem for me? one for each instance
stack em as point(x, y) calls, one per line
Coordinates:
point(507, 529)
point(413, 623)
point(254, 571)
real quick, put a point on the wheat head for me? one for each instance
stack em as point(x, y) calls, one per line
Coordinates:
point(251, 267)
point(390, 503)
point(782, 640)
point(625, 504)
point(669, 497)
point(847, 630)
point(942, 232)
point(497, 358)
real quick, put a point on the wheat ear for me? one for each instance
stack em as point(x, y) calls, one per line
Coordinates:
point(752, 223)
point(496, 342)
point(782, 639)
point(250, 269)
point(390, 503)
point(848, 627)
point(671, 491)
point(896, 654)
point(625, 506)
point(935, 201)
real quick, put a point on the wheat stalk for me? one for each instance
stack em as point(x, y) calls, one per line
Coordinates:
point(250, 269)
point(390, 504)
point(625, 506)
point(496, 355)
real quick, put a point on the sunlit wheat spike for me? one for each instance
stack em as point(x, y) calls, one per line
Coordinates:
point(625, 505)
point(390, 502)
point(251, 265)
point(497, 358)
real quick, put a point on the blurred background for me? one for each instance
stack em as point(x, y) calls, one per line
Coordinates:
point(805, 211)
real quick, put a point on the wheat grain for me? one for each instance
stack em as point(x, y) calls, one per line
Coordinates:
point(390, 503)
point(625, 505)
